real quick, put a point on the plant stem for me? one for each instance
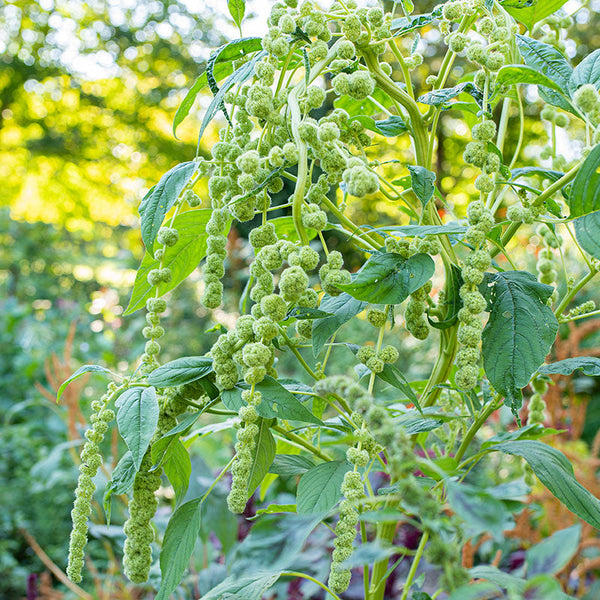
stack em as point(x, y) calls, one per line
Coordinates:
point(298, 355)
point(292, 437)
point(476, 426)
point(414, 566)
point(573, 292)
point(304, 576)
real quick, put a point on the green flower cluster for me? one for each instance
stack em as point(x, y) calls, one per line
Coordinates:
point(214, 268)
point(345, 531)
point(549, 30)
point(333, 274)
point(414, 315)
point(91, 460)
point(152, 332)
point(586, 98)
point(470, 325)
point(246, 441)
point(137, 552)
point(376, 360)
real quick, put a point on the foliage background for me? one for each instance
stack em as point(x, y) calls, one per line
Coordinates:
point(88, 91)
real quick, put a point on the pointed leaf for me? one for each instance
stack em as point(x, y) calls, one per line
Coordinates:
point(520, 331)
point(587, 71)
point(181, 371)
point(529, 13)
point(277, 402)
point(137, 417)
point(178, 545)
point(513, 74)
point(388, 278)
point(178, 469)
point(342, 308)
point(160, 198)
point(289, 465)
point(237, 9)
point(81, 371)
point(423, 183)
point(161, 448)
point(589, 365)
point(263, 454)
point(319, 489)
point(554, 553)
point(555, 471)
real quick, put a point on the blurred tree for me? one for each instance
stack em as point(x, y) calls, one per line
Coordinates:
point(87, 92)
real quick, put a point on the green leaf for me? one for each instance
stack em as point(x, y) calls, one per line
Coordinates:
point(160, 198)
point(546, 59)
point(319, 489)
point(403, 25)
point(277, 402)
point(121, 481)
point(440, 97)
point(137, 417)
point(544, 173)
point(178, 545)
point(285, 229)
point(249, 587)
point(529, 13)
point(181, 371)
point(237, 9)
point(182, 258)
point(587, 71)
point(480, 511)
point(238, 77)
point(81, 371)
point(342, 309)
point(584, 202)
point(186, 104)
point(263, 454)
point(587, 232)
point(369, 553)
point(554, 553)
point(498, 577)
point(388, 278)
point(476, 591)
point(555, 471)
point(178, 469)
point(519, 333)
point(513, 74)
point(589, 365)
point(395, 378)
point(161, 448)
point(533, 431)
point(423, 183)
point(585, 190)
point(305, 313)
point(229, 52)
point(391, 127)
point(290, 465)
point(543, 587)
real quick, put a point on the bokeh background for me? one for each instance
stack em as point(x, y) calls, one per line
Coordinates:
point(88, 91)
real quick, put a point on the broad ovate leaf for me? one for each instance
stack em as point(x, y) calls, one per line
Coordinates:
point(584, 202)
point(389, 278)
point(319, 489)
point(137, 417)
point(519, 333)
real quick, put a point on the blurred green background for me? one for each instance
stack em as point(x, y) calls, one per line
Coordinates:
point(88, 91)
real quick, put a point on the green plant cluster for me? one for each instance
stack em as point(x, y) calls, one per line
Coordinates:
point(293, 106)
